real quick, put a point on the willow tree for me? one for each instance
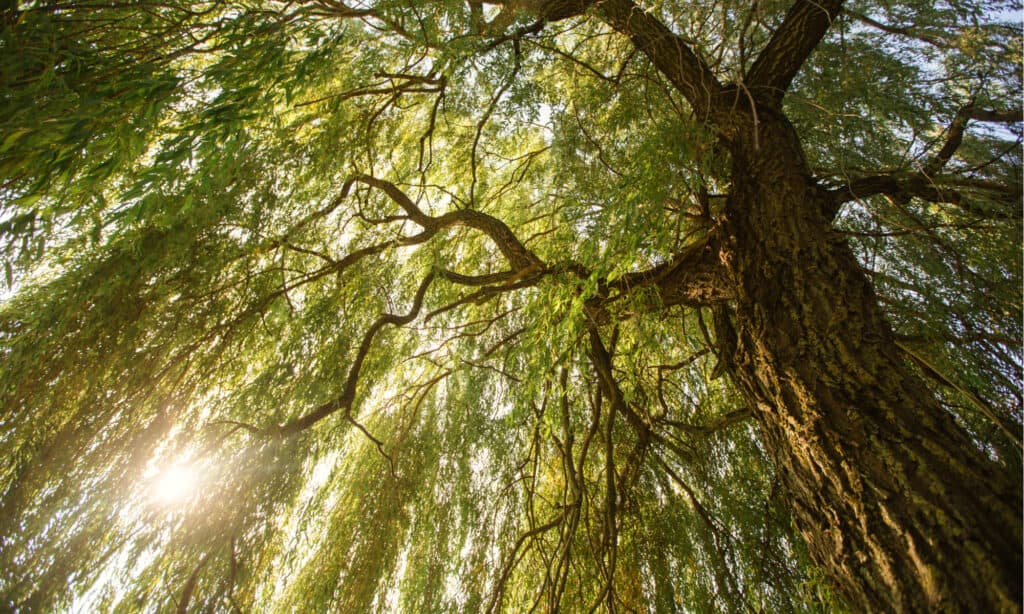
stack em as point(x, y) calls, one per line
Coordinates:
point(508, 306)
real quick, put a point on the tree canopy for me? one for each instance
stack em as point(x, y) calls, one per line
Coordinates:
point(448, 305)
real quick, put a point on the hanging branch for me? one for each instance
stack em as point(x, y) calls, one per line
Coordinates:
point(348, 394)
point(190, 586)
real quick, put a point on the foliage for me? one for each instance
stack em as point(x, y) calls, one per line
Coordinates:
point(210, 209)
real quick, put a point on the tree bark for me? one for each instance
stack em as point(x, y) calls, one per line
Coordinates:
point(896, 502)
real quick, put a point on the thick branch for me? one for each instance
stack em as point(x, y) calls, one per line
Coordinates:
point(899, 187)
point(954, 137)
point(693, 277)
point(997, 116)
point(669, 53)
point(802, 29)
point(336, 8)
point(933, 189)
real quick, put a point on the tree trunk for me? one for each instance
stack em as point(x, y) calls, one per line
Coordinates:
point(896, 502)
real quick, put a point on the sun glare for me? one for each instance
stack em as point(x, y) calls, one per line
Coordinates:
point(174, 484)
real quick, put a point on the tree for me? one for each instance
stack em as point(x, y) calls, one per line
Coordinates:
point(481, 306)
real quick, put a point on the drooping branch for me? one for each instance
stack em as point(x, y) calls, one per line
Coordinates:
point(190, 585)
point(719, 534)
point(488, 112)
point(720, 423)
point(394, 85)
point(929, 184)
point(1010, 429)
point(936, 40)
point(484, 294)
point(601, 358)
point(609, 541)
point(476, 280)
point(348, 394)
point(789, 47)
point(514, 557)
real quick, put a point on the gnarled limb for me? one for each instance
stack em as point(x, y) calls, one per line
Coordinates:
point(510, 246)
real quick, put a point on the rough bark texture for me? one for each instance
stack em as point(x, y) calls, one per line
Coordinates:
point(895, 501)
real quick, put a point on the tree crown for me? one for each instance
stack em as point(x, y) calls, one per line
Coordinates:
point(425, 294)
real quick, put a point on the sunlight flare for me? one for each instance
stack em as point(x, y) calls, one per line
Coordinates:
point(174, 484)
